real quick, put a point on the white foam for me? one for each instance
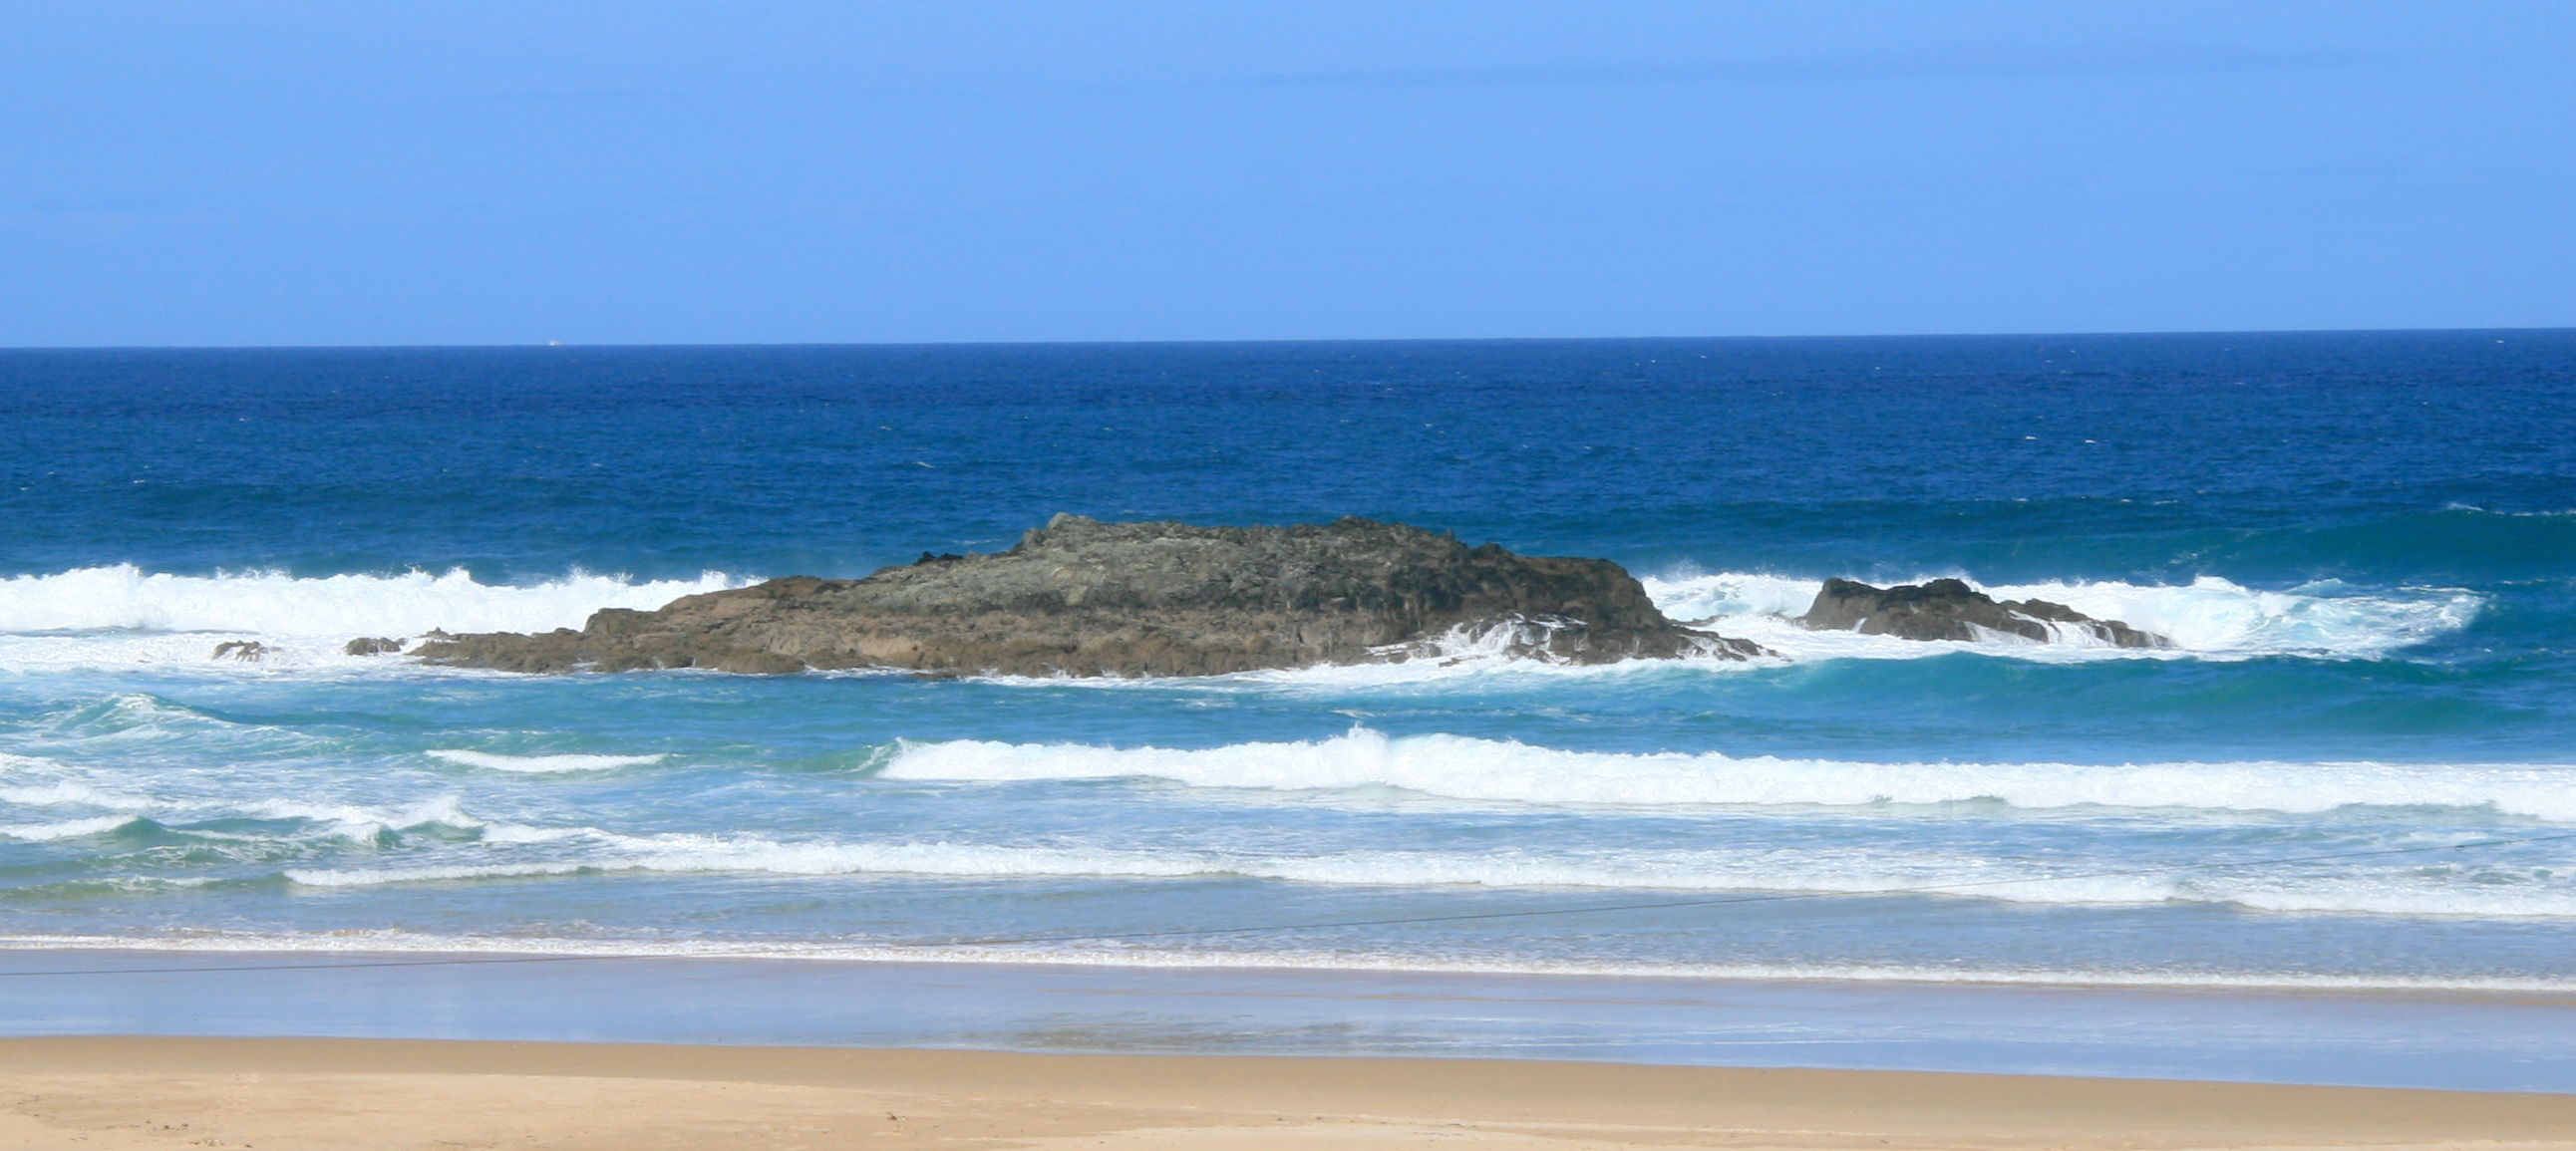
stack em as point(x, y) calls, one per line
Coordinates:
point(106, 618)
point(325, 818)
point(325, 877)
point(2404, 886)
point(1480, 769)
point(63, 829)
point(34, 781)
point(2495, 895)
point(360, 943)
point(66, 792)
point(123, 712)
point(687, 853)
point(2456, 506)
point(358, 823)
point(133, 722)
point(709, 853)
point(137, 617)
point(2206, 618)
point(540, 764)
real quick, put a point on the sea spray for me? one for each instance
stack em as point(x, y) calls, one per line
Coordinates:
point(125, 597)
point(2209, 617)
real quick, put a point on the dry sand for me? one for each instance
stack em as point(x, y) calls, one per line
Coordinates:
point(285, 1094)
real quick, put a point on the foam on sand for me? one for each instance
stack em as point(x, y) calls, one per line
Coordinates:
point(358, 944)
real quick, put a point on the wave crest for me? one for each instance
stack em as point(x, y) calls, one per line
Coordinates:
point(124, 597)
point(540, 764)
point(2497, 890)
point(2208, 617)
point(1462, 767)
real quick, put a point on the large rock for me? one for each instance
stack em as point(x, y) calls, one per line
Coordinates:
point(1082, 597)
point(1950, 609)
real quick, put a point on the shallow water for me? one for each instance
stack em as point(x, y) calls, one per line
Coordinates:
point(2460, 1042)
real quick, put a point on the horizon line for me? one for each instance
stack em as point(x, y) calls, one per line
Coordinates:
point(1214, 341)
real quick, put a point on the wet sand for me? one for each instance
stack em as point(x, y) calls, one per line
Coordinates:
point(160, 1092)
point(2456, 1041)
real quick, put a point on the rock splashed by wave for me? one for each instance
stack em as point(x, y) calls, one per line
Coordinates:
point(1082, 597)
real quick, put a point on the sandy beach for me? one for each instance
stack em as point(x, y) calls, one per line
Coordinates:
point(131, 1092)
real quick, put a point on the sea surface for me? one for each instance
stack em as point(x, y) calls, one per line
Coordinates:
point(2355, 769)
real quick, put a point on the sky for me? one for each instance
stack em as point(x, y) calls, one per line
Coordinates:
point(644, 172)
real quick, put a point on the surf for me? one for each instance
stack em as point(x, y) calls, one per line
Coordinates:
point(2209, 617)
point(1471, 768)
point(123, 597)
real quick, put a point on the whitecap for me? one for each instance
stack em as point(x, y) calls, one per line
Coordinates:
point(2209, 618)
point(540, 764)
point(327, 877)
point(122, 616)
point(1462, 767)
point(63, 829)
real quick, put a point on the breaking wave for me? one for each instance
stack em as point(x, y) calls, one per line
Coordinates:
point(359, 943)
point(1462, 767)
point(2208, 617)
point(540, 764)
point(122, 616)
point(57, 621)
point(330, 878)
point(63, 829)
point(2497, 890)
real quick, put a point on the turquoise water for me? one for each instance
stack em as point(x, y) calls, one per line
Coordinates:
point(2364, 545)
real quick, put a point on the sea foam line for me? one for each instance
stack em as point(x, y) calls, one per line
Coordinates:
point(1464, 767)
point(63, 829)
point(357, 946)
point(540, 764)
point(2209, 617)
point(276, 604)
point(2499, 887)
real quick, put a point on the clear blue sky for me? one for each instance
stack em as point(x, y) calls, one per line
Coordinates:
point(640, 172)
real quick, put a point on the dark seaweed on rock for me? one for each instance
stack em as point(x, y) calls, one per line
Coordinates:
point(1086, 598)
point(1948, 609)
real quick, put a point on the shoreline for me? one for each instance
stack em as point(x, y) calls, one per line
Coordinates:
point(281, 954)
point(131, 1092)
point(2411, 1039)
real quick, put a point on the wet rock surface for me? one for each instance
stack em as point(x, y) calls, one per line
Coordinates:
point(1948, 609)
point(1086, 598)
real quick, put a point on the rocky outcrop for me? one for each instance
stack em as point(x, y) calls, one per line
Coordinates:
point(1082, 597)
point(371, 645)
point(245, 650)
point(1950, 609)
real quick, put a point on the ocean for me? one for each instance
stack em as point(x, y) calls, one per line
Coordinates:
point(2356, 768)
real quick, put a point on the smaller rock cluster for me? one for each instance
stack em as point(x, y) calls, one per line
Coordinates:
point(1948, 609)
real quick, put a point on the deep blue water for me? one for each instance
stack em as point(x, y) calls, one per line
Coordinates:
point(2364, 544)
